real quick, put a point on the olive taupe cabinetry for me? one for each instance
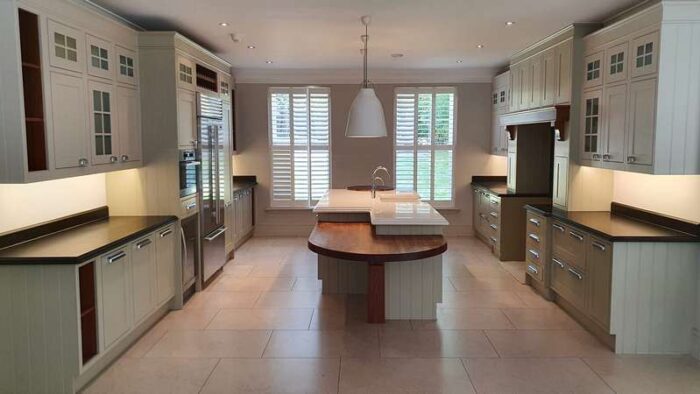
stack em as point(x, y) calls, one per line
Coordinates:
point(499, 101)
point(537, 253)
point(244, 222)
point(639, 98)
point(70, 101)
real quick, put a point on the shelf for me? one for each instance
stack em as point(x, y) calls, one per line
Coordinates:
point(31, 120)
point(31, 65)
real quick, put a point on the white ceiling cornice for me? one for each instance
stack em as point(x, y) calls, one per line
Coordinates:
point(354, 76)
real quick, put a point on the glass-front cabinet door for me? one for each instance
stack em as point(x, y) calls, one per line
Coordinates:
point(66, 46)
point(645, 50)
point(102, 123)
point(127, 69)
point(616, 63)
point(590, 146)
point(593, 75)
point(100, 57)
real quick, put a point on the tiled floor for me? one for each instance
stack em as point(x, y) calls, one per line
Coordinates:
point(264, 326)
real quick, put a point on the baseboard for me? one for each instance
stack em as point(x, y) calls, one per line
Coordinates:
point(696, 343)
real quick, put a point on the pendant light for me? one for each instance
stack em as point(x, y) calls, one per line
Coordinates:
point(366, 116)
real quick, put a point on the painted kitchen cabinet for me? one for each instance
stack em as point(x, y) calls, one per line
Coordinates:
point(550, 76)
point(500, 102)
point(52, 125)
point(186, 73)
point(535, 81)
point(560, 183)
point(244, 221)
point(143, 275)
point(563, 71)
point(115, 283)
point(599, 267)
point(165, 267)
point(649, 92)
point(186, 119)
point(591, 125)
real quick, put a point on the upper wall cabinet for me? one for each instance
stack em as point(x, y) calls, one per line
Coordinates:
point(186, 77)
point(500, 102)
point(648, 92)
point(76, 108)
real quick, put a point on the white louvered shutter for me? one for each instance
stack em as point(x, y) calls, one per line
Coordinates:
point(424, 142)
point(299, 145)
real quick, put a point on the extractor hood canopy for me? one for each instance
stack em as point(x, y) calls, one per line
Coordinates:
point(556, 116)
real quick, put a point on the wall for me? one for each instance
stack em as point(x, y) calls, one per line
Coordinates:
point(354, 159)
point(27, 204)
point(673, 195)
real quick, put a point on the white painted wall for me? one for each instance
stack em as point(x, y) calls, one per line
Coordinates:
point(674, 195)
point(27, 204)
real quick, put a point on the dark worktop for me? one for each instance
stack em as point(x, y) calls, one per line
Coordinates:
point(498, 185)
point(623, 224)
point(85, 241)
point(243, 182)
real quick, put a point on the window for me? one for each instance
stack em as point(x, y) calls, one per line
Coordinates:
point(617, 63)
point(65, 47)
point(299, 127)
point(126, 66)
point(99, 57)
point(424, 137)
point(593, 70)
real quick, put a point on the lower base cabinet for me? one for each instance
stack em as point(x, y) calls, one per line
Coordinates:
point(243, 213)
point(143, 269)
point(115, 279)
point(165, 267)
point(599, 266)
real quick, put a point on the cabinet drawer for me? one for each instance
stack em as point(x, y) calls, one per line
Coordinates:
point(495, 204)
point(535, 224)
point(569, 282)
point(570, 243)
point(534, 270)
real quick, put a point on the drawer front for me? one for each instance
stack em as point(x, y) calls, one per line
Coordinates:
point(495, 204)
point(570, 243)
point(535, 224)
point(569, 282)
point(599, 271)
point(534, 270)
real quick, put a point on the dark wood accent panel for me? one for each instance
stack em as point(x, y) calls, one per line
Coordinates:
point(658, 219)
point(207, 78)
point(32, 90)
point(60, 224)
point(364, 188)
point(88, 311)
point(358, 242)
point(489, 179)
point(375, 293)
point(534, 155)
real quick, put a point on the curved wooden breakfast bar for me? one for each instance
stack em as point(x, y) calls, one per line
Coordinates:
point(359, 242)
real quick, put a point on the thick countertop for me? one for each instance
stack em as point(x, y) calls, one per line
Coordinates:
point(78, 244)
point(357, 242)
point(613, 227)
point(498, 186)
point(388, 208)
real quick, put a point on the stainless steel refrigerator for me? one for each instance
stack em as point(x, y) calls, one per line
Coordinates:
point(212, 150)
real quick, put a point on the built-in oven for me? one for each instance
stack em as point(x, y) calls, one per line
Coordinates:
point(189, 172)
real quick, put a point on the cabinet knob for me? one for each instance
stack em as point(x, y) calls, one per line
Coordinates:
point(596, 156)
point(125, 157)
point(606, 157)
point(631, 159)
point(83, 162)
point(113, 159)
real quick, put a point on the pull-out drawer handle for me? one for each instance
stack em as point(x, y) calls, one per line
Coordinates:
point(166, 233)
point(535, 222)
point(534, 237)
point(558, 227)
point(532, 269)
point(534, 253)
point(493, 239)
point(494, 214)
point(481, 215)
point(577, 236)
point(598, 245)
point(190, 205)
point(143, 244)
point(116, 257)
point(493, 226)
point(559, 263)
point(576, 274)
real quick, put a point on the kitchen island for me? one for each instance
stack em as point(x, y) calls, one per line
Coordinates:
point(388, 247)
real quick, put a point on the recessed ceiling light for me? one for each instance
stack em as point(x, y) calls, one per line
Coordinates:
point(480, 46)
point(510, 23)
point(397, 55)
point(268, 61)
point(251, 46)
point(460, 61)
point(223, 24)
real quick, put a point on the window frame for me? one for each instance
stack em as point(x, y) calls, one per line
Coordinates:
point(290, 90)
point(434, 90)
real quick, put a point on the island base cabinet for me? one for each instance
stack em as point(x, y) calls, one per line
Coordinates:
point(569, 283)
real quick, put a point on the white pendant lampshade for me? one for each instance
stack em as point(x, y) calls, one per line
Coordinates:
point(366, 116)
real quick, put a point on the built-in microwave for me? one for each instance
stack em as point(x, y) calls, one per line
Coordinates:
point(189, 172)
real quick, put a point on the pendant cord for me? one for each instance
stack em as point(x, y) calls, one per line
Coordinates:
point(365, 82)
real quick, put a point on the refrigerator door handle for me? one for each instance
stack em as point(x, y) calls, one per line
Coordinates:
point(210, 131)
point(218, 175)
point(216, 233)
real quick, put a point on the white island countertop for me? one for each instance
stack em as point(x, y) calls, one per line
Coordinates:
point(388, 208)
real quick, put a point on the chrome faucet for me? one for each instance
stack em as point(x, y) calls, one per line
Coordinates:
point(376, 177)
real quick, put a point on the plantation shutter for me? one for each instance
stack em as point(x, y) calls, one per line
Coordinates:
point(424, 142)
point(299, 145)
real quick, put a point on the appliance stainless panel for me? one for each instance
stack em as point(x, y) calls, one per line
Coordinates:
point(189, 172)
point(211, 152)
point(213, 252)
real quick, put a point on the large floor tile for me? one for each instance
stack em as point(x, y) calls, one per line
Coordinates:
point(300, 299)
point(153, 376)
point(524, 376)
point(415, 375)
point(533, 300)
point(324, 344)
point(237, 269)
point(546, 343)
point(484, 283)
point(433, 344)
point(549, 318)
point(482, 299)
point(222, 299)
point(262, 319)
point(232, 283)
point(307, 284)
point(190, 319)
point(465, 319)
point(147, 341)
point(649, 374)
point(211, 344)
point(274, 376)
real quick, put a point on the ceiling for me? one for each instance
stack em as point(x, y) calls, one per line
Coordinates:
point(325, 34)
